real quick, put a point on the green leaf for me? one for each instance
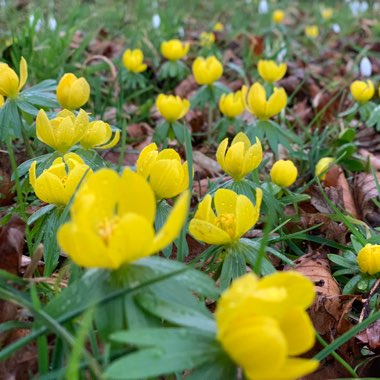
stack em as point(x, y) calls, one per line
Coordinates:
point(169, 350)
point(342, 261)
point(39, 213)
point(351, 285)
point(234, 266)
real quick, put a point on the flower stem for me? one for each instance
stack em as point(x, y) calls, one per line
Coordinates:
point(28, 146)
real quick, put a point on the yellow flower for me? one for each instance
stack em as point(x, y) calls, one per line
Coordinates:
point(2, 100)
point(312, 31)
point(112, 221)
point(165, 171)
point(327, 13)
point(262, 325)
point(58, 183)
point(207, 70)
point(278, 16)
point(10, 83)
point(256, 103)
point(72, 92)
point(99, 135)
point(231, 105)
point(241, 157)
point(369, 259)
point(62, 132)
point(207, 39)
point(172, 107)
point(362, 91)
point(218, 27)
point(283, 173)
point(270, 71)
point(322, 166)
point(174, 49)
point(133, 60)
point(235, 215)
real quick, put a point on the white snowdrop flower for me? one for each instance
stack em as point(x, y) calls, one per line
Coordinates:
point(336, 28)
point(365, 67)
point(363, 7)
point(282, 54)
point(52, 23)
point(181, 31)
point(355, 7)
point(263, 7)
point(156, 21)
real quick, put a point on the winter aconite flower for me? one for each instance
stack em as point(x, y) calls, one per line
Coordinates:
point(327, 13)
point(207, 70)
point(72, 92)
point(278, 16)
point(263, 325)
point(231, 105)
point(270, 71)
point(256, 102)
point(112, 220)
point(58, 183)
point(174, 50)
point(218, 27)
point(283, 173)
point(362, 91)
point(172, 107)
point(369, 259)
point(99, 135)
point(133, 60)
point(164, 171)
point(62, 132)
point(235, 215)
point(312, 31)
point(241, 158)
point(207, 39)
point(322, 165)
point(10, 82)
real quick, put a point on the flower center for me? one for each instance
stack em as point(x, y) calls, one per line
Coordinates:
point(106, 228)
point(227, 222)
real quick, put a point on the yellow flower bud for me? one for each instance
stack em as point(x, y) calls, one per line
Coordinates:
point(172, 107)
point(218, 27)
point(164, 170)
point(362, 91)
point(133, 60)
point(327, 13)
point(10, 83)
point(207, 39)
point(235, 215)
point(322, 166)
point(231, 105)
point(312, 31)
point(283, 173)
point(62, 132)
point(207, 70)
point(278, 16)
point(174, 49)
point(72, 92)
point(270, 71)
point(58, 183)
point(241, 158)
point(369, 259)
point(256, 103)
point(99, 135)
point(262, 325)
point(112, 219)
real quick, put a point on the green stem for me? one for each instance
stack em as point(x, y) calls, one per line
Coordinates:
point(121, 122)
point(338, 358)
point(210, 115)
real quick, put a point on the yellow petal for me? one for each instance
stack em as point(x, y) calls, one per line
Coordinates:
point(242, 137)
point(225, 201)
point(49, 188)
point(208, 233)
point(298, 331)
point(253, 157)
point(63, 89)
point(173, 225)
point(137, 196)
point(257, 101)
point(221, 152)
point(295, 368)
point(76, 177)
point(277, 102)
point(83, 246)
point(23, 73)
point(44, 129)
point(79, 93)
point(146, 158)
point(246, 215)
point(112, 143)
point(131, 239)
point(234, 161)
point(300, 289)
point(32, 173)
point(204, 211)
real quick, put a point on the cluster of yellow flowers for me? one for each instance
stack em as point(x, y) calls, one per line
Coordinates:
point(263, 325)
